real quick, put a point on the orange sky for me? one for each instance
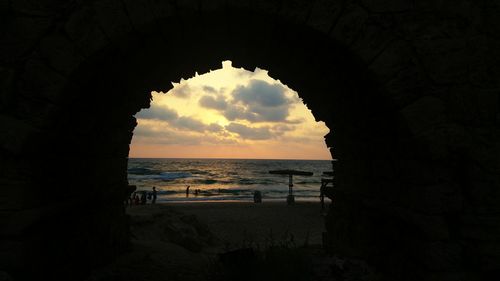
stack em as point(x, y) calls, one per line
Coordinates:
point(229, 113)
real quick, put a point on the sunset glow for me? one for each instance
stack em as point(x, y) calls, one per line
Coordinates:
point(229, 113)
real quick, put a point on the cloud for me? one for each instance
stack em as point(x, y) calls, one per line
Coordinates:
point(261, 93)
point(189, 123)
point(209, 89)
point(158, 113)
point(261, 133)
point(214, 127)
point(259, 101)
point(282, 128)
point(181, 90)
point(218, 103)
point(161, 133)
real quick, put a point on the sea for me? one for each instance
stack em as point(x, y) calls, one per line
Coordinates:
point(225, 180)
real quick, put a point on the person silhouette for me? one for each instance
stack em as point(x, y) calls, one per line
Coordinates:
point(154, 195)
point(136, 199)
point(187, 191)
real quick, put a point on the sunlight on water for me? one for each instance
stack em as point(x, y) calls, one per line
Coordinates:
point(224, 179)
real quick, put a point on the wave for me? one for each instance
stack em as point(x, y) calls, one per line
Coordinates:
point(205, 181)
point(164, 176)
point(233, 192)
point(246, 181)
point(142, 171)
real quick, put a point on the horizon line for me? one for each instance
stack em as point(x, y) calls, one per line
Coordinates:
point(204, 158)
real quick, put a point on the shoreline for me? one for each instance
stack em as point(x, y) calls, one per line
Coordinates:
point(222, 201)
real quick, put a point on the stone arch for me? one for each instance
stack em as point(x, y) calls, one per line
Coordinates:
point(79, 72)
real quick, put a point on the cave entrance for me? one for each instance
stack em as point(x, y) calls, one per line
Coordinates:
point(227, 114)
point(210, 142)
point(110, 85)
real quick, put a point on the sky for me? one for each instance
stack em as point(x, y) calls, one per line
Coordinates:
point(229, 113)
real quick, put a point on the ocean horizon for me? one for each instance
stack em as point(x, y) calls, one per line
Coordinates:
point(225, 179)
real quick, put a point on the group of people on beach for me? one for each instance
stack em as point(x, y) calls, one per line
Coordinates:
point(196, 191)
point(135, 199)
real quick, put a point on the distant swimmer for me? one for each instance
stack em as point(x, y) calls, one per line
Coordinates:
point(154, 195)
point(187, 191)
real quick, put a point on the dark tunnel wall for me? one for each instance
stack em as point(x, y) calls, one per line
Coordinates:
point(409, 91)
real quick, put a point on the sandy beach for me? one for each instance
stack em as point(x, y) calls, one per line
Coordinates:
point(181, 240)
point(237, 223)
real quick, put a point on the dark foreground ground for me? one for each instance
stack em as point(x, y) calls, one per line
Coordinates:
point(229, 241)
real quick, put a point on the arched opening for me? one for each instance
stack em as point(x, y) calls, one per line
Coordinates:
point(329, 79)
point(111, 85)
point(207, 147)
point(227, 114)
point(416, 179)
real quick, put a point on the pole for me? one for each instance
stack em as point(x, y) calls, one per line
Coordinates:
point(290, 198)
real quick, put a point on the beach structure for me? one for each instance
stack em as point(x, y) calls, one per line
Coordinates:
point(327, 184)
point(325, 188)
point(290, 199)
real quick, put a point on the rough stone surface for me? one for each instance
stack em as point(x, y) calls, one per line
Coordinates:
point(409, 89)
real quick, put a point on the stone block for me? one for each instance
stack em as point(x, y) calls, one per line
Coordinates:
point(424, 114)
point(161, 8)
point(350, 24)
point(60, 54)
point(396, 57)
point(296, 10)
point(406, 86)
point(209, 6)
point(46, 8)
point(190, 6)
point(21, 35)
point(324, 15)
point(15, 134)
point(270, 7)
point(371, 41)
point(83, 29)
point(240, 4)
point(445, 59)
point(473, 106)
point(139, 14)
point(113, 18)
point(40, 81)
point(388, 6)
